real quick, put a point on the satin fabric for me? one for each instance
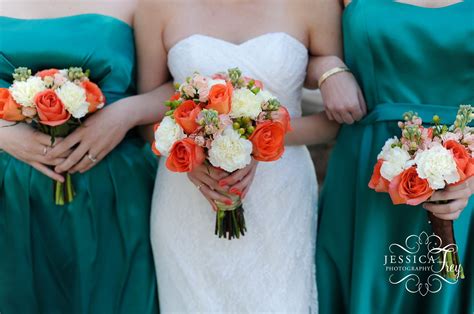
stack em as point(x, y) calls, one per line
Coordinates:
point(92, 255)
point(405, 58)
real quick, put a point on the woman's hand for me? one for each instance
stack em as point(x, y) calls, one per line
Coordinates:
point(343, 98)
point(93, 140)
point(30, 146)
point(206, 179)
point(210, 181)
point(458, 195)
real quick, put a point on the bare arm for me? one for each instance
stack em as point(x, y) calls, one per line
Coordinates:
point(325, 51)
point(104, 130)
point(153, 72)
point(342, 96)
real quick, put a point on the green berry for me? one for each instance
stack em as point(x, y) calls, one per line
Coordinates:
point(241, 131)
point(250, 129)
point(236, 125)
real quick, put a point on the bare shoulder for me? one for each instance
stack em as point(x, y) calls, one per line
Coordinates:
point(319, 8)
point(155, 8)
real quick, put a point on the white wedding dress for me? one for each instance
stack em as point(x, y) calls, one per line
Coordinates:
point(271, 268)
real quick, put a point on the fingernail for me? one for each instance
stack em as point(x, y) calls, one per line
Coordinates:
point(222, 183)
point(235, 191)
point(228, 202)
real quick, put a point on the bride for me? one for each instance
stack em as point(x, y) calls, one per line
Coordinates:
point(271, 269)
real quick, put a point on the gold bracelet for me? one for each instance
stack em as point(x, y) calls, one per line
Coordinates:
point(330, 73)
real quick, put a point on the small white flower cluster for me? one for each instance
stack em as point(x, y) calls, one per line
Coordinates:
point(435, 164)
point(224, 135)
point(24, 92)
point(230, 152)
point(167, 134)
point(74, 99)
point(71, 94)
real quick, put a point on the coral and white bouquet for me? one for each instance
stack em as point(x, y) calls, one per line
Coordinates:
point(426, 159)
point(54, 102)
point(225, 121)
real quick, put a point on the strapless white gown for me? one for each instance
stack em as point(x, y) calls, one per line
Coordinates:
point(270, 269)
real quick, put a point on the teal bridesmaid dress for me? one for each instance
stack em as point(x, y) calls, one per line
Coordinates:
point(405, 58)
point(92, 255)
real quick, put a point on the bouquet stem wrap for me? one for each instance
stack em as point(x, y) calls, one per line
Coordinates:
point(230, 220)
point(64, 192)
point(450, 258)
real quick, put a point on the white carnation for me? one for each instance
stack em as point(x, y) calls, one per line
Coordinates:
point(74, 99)
point(230, 152)
point(24, 92)
point(438, 166)
point(168, 133)
point(387, 147)
point(245, 104)
point(395, 161)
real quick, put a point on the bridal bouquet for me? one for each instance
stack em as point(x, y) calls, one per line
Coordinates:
point(54, 102)
point(225, 121)
point(424, 160)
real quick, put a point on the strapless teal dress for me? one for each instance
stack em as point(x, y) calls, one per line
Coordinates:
point(405, 58)
point(93, 255)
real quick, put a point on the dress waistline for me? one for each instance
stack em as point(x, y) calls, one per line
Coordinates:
point(394, 112)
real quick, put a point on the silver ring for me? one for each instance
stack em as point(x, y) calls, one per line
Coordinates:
point(199, 186)
point(45, 150)
point(91, 158)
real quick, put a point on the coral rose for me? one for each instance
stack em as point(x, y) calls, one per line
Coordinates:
point(94, 96)
point(45, 73)
point(409, 188)
point(184, 156)
point(463, 159)
point(9, 109)
point(268, 141)
point(220, 98)
point(186, 115)
point(51, 110)
point(377, 182)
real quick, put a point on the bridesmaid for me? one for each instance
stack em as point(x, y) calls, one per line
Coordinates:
point(416, 55)
point(92, 255)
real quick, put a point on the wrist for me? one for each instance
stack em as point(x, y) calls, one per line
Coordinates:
point(328, 63)
point(129, 116)
point(334, 71)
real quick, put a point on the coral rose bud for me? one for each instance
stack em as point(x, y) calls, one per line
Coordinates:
point(268, 141)
point(51, 110)
point(184, 156)
point(9, 109)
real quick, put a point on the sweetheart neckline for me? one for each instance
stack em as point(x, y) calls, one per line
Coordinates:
point(238, 45)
